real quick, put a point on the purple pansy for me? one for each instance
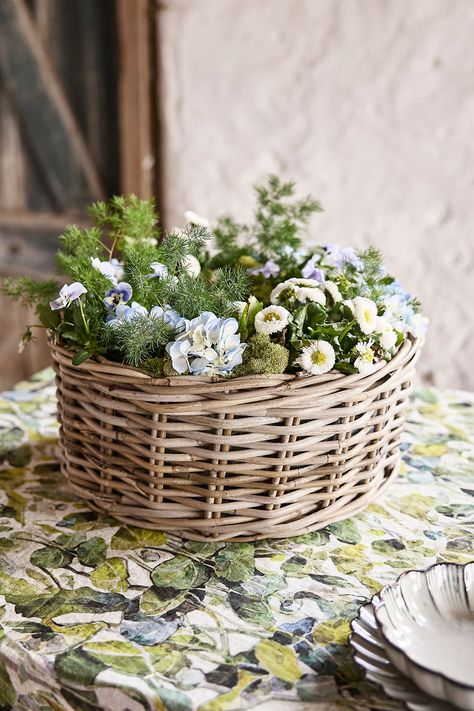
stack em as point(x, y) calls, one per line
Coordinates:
point(120, 294)
point(311, 271)
point(269, 269)
point(68, 293)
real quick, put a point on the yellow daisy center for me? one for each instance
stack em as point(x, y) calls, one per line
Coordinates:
point(318, 358)
point(272, 317)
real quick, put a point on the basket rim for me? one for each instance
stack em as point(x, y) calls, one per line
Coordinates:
point(101, 365)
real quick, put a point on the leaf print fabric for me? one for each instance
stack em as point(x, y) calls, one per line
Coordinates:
point(95, 614)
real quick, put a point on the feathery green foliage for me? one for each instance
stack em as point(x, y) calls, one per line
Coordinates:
point(29, 292)
point(139, 338)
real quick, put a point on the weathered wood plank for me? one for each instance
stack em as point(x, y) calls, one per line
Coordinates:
point(44, 112)
point(138, 143)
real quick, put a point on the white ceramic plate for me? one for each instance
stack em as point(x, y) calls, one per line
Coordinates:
point(427, 622)
point(369, 651)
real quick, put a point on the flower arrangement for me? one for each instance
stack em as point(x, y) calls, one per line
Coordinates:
point(232, 301)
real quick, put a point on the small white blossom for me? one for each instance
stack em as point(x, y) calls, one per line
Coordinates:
point(388, 336)
point(417, 325)
point(113, 269)
point(365, 361)
point(333, 290)
point(271, 320)
point(365, 311)
point(193, 219)
point(286, 288)
point(318, 358)
point(160, 271)
point(308, 293)
point(191, 265)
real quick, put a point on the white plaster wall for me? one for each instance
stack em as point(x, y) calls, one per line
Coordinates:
point(367, 104)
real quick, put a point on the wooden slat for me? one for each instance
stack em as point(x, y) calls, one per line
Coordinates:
point(136, 96)
point(44, 112)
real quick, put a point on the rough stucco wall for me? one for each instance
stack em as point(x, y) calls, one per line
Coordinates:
point(367, 104)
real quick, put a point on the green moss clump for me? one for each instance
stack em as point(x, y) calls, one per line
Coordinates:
point(168, 369)
point(153, 366)
point(262, 356)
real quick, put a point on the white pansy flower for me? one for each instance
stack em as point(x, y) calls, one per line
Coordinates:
point(365, 311)
point(318, 358)
point(308, 293)
point(365, 360)
point(388, 336)
point(191, 265)
point(193, 219)
point(271, 320)
point(333, 290)
point(113, 269)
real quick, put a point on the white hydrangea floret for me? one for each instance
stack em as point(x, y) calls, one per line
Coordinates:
point(272, 319)
point(191, 265)
point(388, 336)
point(365, 311)
point(317, 358)
point(194, 219)
point(365, 362)
point(208, 345)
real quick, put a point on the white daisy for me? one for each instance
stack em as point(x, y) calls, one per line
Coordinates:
point(309, 293)
point(284, 286)
point(365, 362)
point(388, 337)
point(304, 282)
point(365, 311)
point(333, 290)
point(193, 219)
point(318, 358)
point(271, 320)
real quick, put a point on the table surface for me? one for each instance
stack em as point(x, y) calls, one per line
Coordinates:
point(97, 615)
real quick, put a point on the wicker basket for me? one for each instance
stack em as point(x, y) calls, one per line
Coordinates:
point(249, 458)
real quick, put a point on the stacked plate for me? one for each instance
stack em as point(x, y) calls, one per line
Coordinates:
point(416, 638)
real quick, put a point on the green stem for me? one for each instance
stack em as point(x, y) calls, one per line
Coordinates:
point(346, 330)
point(86, 325)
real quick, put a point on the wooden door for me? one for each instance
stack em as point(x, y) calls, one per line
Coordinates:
point(77, 124)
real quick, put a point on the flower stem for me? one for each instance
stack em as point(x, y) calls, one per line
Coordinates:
point(86, 325)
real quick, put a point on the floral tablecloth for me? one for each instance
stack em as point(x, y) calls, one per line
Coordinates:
point(97, 615)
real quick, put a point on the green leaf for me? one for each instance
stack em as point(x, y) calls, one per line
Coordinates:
point(50, 319)
point(180, 573)
point(235, 562)
point(7, 691)
point(64, 602)
point(122, 656)
point(251, 609)
point(345, 531)
point(77, 666)
point(278, 660)
point(19, 457)
point(81, 357)
point(111, 575)
point(315, 314)
point(132, 537)
point(50, 557)
point(92, 552)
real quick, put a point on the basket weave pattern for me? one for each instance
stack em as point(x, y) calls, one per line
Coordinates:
point(245, 459)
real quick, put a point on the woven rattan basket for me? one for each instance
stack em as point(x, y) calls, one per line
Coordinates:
point(245, 458)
